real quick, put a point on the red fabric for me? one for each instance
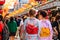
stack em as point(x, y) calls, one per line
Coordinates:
point(2, 2)
point(1, 29)
point(1, 26)
point(31, 29)
point(0, 37)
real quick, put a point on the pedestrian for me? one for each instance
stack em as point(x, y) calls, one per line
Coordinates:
point(20, 27)
point(31, 25)
point(12, 25)
point(58, 20)
point(55, 28)
point(6, 20)
point(5, 29)
point(45, 29)
point(18, 20)
point(21, 30)
point(1, 27)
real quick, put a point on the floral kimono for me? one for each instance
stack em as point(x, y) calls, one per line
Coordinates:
point(45, 30)
point(31, 28)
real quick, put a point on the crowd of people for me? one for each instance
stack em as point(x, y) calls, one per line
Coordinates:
point(40, 26)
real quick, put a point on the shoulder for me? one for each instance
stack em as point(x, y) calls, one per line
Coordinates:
point(26, 19)
point(48, 21)
point(36, 20)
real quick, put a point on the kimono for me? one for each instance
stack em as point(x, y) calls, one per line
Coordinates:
point(45, 25)
point(31, 29)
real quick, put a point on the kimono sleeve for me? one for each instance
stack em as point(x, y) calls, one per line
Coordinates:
point(25, 24)
point(21, 23)
point(51, 30)
point(39, 27)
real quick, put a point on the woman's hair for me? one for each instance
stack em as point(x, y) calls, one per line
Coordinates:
point(41, 12)
point(54, 12)
point(58, 17)
point(11, 19)
point(31, 12)
point(1, 17)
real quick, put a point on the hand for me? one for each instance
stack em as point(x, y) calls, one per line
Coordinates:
point(56, 33)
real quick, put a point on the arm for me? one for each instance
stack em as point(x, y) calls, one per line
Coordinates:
point(55, 30)
point(21, 29)
point(39, 28)
point(51, 30)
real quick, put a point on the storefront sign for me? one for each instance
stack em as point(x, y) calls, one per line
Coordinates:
point(49, 5)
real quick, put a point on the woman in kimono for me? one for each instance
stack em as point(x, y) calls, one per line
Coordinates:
point(45, 29)
point(31, 25)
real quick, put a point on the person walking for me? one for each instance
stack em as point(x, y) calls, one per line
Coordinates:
point(19, 28)
point(55, 27)
point(1, 27)
point(45, 29)
point(12, 25)
point(31, 25)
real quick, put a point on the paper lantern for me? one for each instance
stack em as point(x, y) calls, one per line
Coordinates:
point(2, 2)
point(1, 11)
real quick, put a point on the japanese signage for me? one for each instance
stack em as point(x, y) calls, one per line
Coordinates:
point(49, 5)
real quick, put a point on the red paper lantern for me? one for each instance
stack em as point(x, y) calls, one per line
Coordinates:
point(1, 11)
point(2, 2)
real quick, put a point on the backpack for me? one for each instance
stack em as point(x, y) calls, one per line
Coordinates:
point(45, 31)
point(5, 33)
point(1, 29)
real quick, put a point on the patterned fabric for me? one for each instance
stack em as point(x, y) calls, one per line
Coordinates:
point(45, 32)
point(1, 29)
point(34, 22)
point(5, 33)
point(50, 27)
point(28, 37)
point(31, 29)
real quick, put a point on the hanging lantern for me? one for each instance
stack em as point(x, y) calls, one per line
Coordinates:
point(1, 11)
point(2, 2)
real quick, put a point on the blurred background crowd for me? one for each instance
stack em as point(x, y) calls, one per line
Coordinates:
point(13, 14)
